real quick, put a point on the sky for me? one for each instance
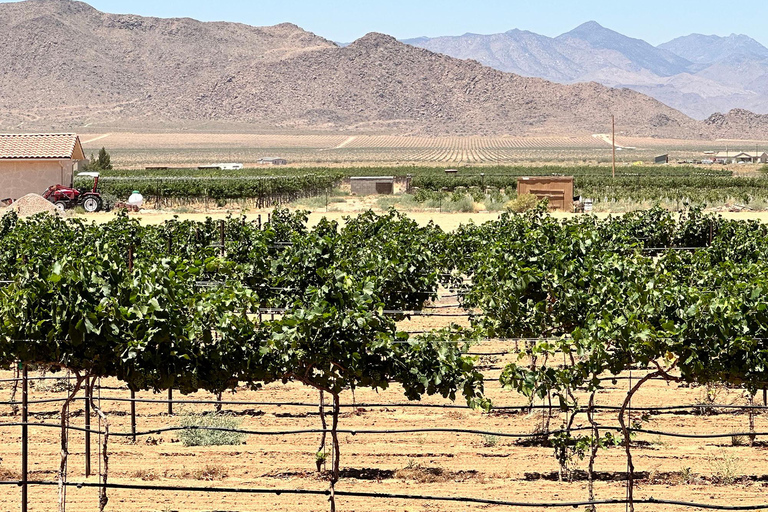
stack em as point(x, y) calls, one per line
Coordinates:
point(656, 21)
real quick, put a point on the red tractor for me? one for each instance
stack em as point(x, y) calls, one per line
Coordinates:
point(69, 197)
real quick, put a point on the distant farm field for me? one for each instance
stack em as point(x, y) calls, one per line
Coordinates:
point(138, 150)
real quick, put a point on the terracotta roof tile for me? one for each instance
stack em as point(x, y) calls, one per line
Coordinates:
point(37, 145)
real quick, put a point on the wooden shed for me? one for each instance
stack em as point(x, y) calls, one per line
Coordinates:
point(557, 189)
point(371, 185)
point(32, 162)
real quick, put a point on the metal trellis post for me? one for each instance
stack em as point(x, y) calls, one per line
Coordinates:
point(24, 437)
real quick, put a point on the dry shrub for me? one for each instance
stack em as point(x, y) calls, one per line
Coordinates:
point(522, 203)
point(9, 475)
point(210, 473)
point(421, 474)
point(145, 474)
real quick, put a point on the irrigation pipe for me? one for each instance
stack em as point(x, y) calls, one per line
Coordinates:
point(379, 495)
point(355, 432)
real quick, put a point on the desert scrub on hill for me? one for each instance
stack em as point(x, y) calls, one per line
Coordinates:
point(196, 433)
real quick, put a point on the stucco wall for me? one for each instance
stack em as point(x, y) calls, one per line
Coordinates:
point(21, 177)
point(371, 185)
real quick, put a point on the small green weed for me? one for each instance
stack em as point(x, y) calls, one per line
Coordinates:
point(194, 436)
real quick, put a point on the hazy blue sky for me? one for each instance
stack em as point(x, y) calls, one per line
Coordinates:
point(656, 21)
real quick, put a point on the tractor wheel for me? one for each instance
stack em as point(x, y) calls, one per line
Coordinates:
point(60, 205)
point(92, 204)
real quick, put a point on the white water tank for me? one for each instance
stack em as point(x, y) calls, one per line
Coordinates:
point(136, 199)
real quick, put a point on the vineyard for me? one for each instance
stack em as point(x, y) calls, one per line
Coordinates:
point(693, 185)
point(616, 363)
point(138, 150)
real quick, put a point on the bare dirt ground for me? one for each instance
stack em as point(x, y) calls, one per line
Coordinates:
point(447, 221)
point(442, 464)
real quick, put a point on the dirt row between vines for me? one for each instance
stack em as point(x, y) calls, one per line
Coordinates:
point(442, 464)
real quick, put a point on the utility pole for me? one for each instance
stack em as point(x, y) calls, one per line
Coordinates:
point(613, 142)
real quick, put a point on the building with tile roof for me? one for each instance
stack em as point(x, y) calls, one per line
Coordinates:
point(31, 162)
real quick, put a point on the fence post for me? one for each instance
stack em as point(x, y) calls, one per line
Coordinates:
point(24, 436)
point(133, 415)
point(221, 233)
point(170, 401)
point(87, 432)
point(259, 221)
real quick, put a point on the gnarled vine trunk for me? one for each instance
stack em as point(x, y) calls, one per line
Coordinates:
point(321, 449)
point(336, 449)
point(593, 452)
point(14, 388)
point(626, 434)
point(65, 442)
point(103, 499)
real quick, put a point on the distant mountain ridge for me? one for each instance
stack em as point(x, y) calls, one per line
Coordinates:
point(67, 65)
point(695, 74)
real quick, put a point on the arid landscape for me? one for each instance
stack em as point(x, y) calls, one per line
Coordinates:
point(280, 269)
point(285, 78)
point(491, 466)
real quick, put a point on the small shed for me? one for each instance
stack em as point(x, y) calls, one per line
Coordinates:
point(661, 159)
point(272, 160)
point(558, 190)
point(372, 185)
point(32, 162)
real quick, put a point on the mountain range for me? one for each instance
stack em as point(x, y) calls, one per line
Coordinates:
point(696, 74)
point(69, 66)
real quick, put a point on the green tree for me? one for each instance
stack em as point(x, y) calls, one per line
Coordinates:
point(104, 162)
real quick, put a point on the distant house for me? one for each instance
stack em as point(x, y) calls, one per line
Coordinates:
point(272, 160)
point(222, 167)
point(753, 157)
point(746, 157)
point(661, 159)
point(32, 162)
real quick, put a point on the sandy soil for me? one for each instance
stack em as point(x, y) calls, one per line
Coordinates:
point(472, 465)
point(447, 221)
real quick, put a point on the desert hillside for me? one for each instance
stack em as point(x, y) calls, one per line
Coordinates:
point(68, 65)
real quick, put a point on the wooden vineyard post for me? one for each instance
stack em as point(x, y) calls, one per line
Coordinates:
point(221, 234)
point(87, 432)
point(133, 415)
point(170, 401)
point(24, 437)
point(259, 221)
